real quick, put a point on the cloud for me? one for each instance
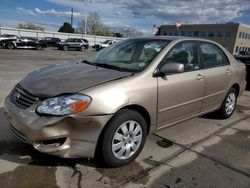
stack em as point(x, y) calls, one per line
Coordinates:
point(12, 23)
point(186, 11)
point(50, 12)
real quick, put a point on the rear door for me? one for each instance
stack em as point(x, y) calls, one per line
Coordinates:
point(180, 95)
point(217, 71)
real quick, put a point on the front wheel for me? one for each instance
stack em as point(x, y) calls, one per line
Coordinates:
point(228, 105)
point(38, 47)
point(10, 46)
point(65, 48)
point(123, 138)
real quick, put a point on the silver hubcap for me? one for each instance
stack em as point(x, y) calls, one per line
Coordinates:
point(127, 140)
point(230, 103)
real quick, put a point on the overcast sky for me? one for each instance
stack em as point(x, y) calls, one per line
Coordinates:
point(117, 14)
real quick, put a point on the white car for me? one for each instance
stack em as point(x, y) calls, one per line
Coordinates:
point(104, 44)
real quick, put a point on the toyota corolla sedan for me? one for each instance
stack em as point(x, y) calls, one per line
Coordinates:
point(107, 104)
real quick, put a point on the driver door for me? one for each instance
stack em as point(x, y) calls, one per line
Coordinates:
point(180, 95)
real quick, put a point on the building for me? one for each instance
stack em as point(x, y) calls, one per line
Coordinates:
point(233, 36)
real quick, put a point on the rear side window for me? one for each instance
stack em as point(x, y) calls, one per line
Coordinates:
point(212, 56)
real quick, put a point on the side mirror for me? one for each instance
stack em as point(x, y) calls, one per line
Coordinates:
point(171, 68)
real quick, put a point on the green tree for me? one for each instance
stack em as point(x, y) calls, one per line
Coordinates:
point(66, 28)
point(117, 34)
point(30, 26)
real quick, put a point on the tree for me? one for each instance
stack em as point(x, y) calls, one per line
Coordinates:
point(130, 32)
point(117, 34)
point(30, 26)
point(66, 28)
point(94, 26)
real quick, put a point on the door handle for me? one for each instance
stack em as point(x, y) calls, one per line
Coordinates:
point(228, 71)
point(200, 77)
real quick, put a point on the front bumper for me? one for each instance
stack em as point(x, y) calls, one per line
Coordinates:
point(64, 136)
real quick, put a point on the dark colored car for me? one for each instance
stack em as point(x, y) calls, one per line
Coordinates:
point(51, 41)
point(73, 43)
point(23, 42)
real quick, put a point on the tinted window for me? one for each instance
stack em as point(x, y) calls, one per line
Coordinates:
point(227, 34)
point(240, 34)
point(210, 33)
point(184, 53)
point(212, 56)
point(203, 34)
point(78, 40)
point(219, 34)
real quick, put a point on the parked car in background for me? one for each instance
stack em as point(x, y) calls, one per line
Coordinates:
point(107, 104)
point(74, 43)
point(50, 41)
point(104, 44)
point(22, 42)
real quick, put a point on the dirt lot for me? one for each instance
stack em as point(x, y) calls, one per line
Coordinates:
point(202, 152)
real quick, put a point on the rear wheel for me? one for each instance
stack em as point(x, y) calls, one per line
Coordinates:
point(65, 48)
point(10, 46)
point(83, 48)
point(123, 138)
point(38, 47)
point(228, 105)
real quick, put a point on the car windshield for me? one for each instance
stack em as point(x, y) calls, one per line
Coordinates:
point(132, 55)
point(106, 42)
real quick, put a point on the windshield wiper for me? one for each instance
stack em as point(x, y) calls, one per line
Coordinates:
point(88, 62)
point(105, 65)
point(108, 66)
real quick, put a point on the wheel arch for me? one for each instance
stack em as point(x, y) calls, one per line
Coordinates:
point(237, 88)
point(139, 109)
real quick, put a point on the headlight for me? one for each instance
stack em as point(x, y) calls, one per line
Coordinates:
point(64, 105)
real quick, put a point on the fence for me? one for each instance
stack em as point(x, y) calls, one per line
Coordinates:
point(93, 39)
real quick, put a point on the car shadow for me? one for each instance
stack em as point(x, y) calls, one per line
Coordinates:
point(13, 150)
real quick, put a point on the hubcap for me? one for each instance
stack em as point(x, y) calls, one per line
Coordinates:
point(230, 103)
point(127, 140)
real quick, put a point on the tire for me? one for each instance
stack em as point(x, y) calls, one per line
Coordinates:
point(228, 105)
point(123, 138)
point(38, 47)
point(83, 48)
point(65, 48)
point(10, 46)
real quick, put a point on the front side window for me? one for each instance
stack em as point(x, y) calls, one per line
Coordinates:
point(184, 53)
point(212, 56)
point(129, 55)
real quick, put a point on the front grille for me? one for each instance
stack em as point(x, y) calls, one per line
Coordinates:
point(22, 98)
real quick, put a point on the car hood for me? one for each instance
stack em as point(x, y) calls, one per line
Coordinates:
point(67, 78)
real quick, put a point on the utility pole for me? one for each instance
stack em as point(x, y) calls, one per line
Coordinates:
point(72, 12)
point(86, 14)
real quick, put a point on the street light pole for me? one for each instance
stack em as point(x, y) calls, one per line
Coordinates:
point(86, 14)
point(86, 17)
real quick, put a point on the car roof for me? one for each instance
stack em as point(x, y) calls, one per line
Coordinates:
point(173, 38)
